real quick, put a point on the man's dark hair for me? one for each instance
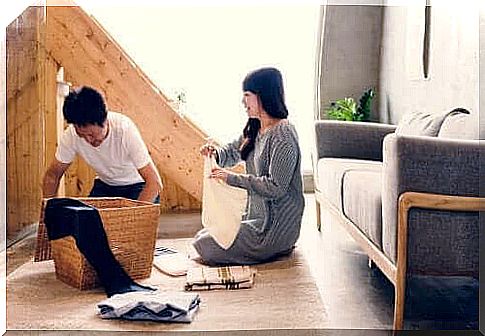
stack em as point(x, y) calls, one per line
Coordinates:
point(84, 106)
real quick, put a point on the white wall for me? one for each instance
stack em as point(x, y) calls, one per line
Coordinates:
point(454, 53)
point(482, 73)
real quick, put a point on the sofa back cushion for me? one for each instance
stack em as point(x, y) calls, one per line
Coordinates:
point(460, 126)
point(423, 123)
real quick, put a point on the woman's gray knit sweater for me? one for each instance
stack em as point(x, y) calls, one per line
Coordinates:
point(271, 224)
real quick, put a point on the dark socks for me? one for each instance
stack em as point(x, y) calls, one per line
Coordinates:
point(70, 217)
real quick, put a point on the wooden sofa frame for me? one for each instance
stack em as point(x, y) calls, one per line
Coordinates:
point(396, 272)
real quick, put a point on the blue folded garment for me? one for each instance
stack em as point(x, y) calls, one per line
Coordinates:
point(152, 306)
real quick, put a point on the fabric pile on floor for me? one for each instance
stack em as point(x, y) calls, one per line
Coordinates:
point(150, 306)
point(170, 261)
point(200, 277)
point(227, 277)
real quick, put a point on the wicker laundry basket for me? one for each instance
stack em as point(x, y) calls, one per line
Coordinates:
point(131, 228)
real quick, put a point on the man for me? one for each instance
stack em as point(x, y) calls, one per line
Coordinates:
point(110, 143)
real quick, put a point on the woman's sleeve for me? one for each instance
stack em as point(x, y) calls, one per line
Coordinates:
point(284, 157)
point(229, 155)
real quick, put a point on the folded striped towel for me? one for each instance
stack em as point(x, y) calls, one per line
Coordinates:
point(153, 306)
point(227, 277)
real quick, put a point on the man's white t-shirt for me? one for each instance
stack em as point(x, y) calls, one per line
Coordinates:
point(117, 160)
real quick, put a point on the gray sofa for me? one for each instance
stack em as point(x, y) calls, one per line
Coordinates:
point(408, 194)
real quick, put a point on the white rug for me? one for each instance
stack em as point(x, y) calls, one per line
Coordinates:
point(284, 296)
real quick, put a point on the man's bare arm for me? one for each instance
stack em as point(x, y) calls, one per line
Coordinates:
point(52, 177)
point(153, 185)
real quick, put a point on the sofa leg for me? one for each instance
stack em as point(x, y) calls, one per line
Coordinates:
point(405, 203)
point(319, 215)
point(399, 298)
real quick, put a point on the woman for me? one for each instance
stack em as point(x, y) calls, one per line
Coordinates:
point(269, 146)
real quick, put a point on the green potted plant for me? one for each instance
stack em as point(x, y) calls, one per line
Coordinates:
point(347, 109)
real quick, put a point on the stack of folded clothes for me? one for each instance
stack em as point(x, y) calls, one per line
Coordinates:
point(227, 277)
point(153, 306)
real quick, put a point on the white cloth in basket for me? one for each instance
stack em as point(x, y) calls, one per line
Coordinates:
point(222, 207)
point(154, 306)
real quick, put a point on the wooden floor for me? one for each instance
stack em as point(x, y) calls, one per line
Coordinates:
point(355, 296)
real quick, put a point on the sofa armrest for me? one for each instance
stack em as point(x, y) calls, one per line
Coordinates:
point(350, 139)
point(428, 165)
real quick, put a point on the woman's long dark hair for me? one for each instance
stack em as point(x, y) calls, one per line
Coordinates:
point(267, 84)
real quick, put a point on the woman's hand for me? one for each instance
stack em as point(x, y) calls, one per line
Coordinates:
point(221, 174)
point(208, 149)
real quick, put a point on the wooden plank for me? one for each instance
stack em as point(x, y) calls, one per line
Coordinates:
point(174, 199)
point(442, 202)
point(51, 118)
point(3, 152)
point(91, 57)
point(24, 142)
point(373, 251)
point(21, 41)
point(78, 179)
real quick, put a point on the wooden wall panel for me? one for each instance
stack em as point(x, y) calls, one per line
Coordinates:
point(22, 39)
point(25, 142)
point(52, 124)
point(78, 179)
point(174, 199)
point(31, 104)
point(3, 142)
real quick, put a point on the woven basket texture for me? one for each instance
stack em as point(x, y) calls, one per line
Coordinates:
point(131, 228)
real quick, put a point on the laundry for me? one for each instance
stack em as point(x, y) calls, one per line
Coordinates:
point(150, 306)
point(222, 207)
point(70, 217)
point(226, 277)
point(170, 261)
point(162, 250)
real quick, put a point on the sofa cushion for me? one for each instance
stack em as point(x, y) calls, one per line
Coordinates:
point(330, 172)
point(460, 126)
point(424, 123)
point(362, 202)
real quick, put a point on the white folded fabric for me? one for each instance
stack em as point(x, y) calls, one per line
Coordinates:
point(172, 264)
point(170, 261)
point(154, 306)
